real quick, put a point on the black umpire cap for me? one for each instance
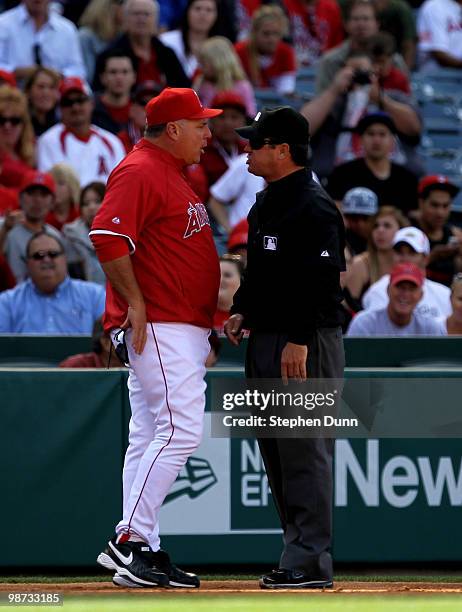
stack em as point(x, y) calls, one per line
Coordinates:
point(278, 125)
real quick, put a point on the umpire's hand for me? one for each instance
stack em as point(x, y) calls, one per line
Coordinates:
point(233, 329)
point(293, 362)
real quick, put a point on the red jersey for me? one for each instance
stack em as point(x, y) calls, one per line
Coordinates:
point(314, 28)
point(282, 62)
point(150, 204)
point(8, 200)
point(396, 80)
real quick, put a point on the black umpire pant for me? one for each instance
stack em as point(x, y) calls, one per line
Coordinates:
point(299, 470)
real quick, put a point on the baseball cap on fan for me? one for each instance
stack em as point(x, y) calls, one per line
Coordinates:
point(406, 272)
point(69, 84)
point(360, 201)
point(414, 237)
point(38, 179)
point(175, 103)
point(436, 181)
point(280, 125)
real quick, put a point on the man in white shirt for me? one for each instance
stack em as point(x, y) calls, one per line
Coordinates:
point(90, 150)
point(412, 246)
point(234, 193)
point(398, 318)
point(32, 35)
point(439, 25)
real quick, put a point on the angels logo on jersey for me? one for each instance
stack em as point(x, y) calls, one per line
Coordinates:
point(198, 217)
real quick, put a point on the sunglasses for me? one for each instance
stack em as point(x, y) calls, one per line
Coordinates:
point(40, 255)
point(256, 142)
point(10, 120)
point(68, 102)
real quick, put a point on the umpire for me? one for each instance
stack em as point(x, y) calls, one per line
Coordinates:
point(290, 300)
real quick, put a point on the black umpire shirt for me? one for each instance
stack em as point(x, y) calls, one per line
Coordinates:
point(295, 255)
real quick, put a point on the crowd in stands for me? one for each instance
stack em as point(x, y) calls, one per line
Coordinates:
point(76, 75)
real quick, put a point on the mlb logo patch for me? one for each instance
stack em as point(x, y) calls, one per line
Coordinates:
point(270, 243)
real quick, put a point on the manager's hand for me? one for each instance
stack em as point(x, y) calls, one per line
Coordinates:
point(233, 329)
point(293, 362)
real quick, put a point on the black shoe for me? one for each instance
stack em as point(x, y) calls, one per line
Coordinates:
point(130, 559)
point(176, 576)
point(292, 579)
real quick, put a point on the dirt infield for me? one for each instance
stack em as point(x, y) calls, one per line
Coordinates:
point(218, 587)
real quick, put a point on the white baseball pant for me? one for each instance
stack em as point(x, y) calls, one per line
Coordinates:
point(167, 398)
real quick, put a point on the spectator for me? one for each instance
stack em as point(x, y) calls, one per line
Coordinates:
point(8, 198)
point(137, 115)
point(103, 354)
point(316, 26)
point(390, 78)
point(153, 61)
point(172, 12)
point(91, 151)
point(197, 24)
point(112, 106)
point(222, 71)
point(100, 24)
point(42, 91)
point(435, 198)
point(393, 184)
point(366, 268)
point(32, 35)
point(237, 240)
point(399, 317)
point(453, 322)
point(411, 246)
point(7, 280)
point(28, 309)
point(36, 200)
point(233, 194)
point(224, 146)
point(83, 262)
point(231, 272)
point(268, 61)
point(17, 154)
point(7, 78)
point(359, 205)
point(360, 24)
point(440, 34)
point(65, 206)
point(397, 19)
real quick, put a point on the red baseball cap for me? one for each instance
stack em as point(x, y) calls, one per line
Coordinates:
point(239, 235)
point(38, 179)
point(175, 103)
point(69, 84)
point(8, 78)
point(406, 272)
point(436, 181)
point(229, 99)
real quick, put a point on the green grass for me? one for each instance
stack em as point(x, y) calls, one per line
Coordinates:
point(268, 603)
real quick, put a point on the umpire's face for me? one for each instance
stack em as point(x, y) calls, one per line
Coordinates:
point(265, 158)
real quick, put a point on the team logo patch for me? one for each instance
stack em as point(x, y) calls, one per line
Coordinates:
point(197, 218)
point(116, 220)
point(325, 254)
point(270, 243)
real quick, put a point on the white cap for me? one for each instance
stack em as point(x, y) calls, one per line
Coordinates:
point(414, 237)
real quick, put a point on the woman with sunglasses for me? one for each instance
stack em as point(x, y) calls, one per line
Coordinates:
point(17, 148)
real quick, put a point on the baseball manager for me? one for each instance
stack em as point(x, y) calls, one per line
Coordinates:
point(153, 238)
